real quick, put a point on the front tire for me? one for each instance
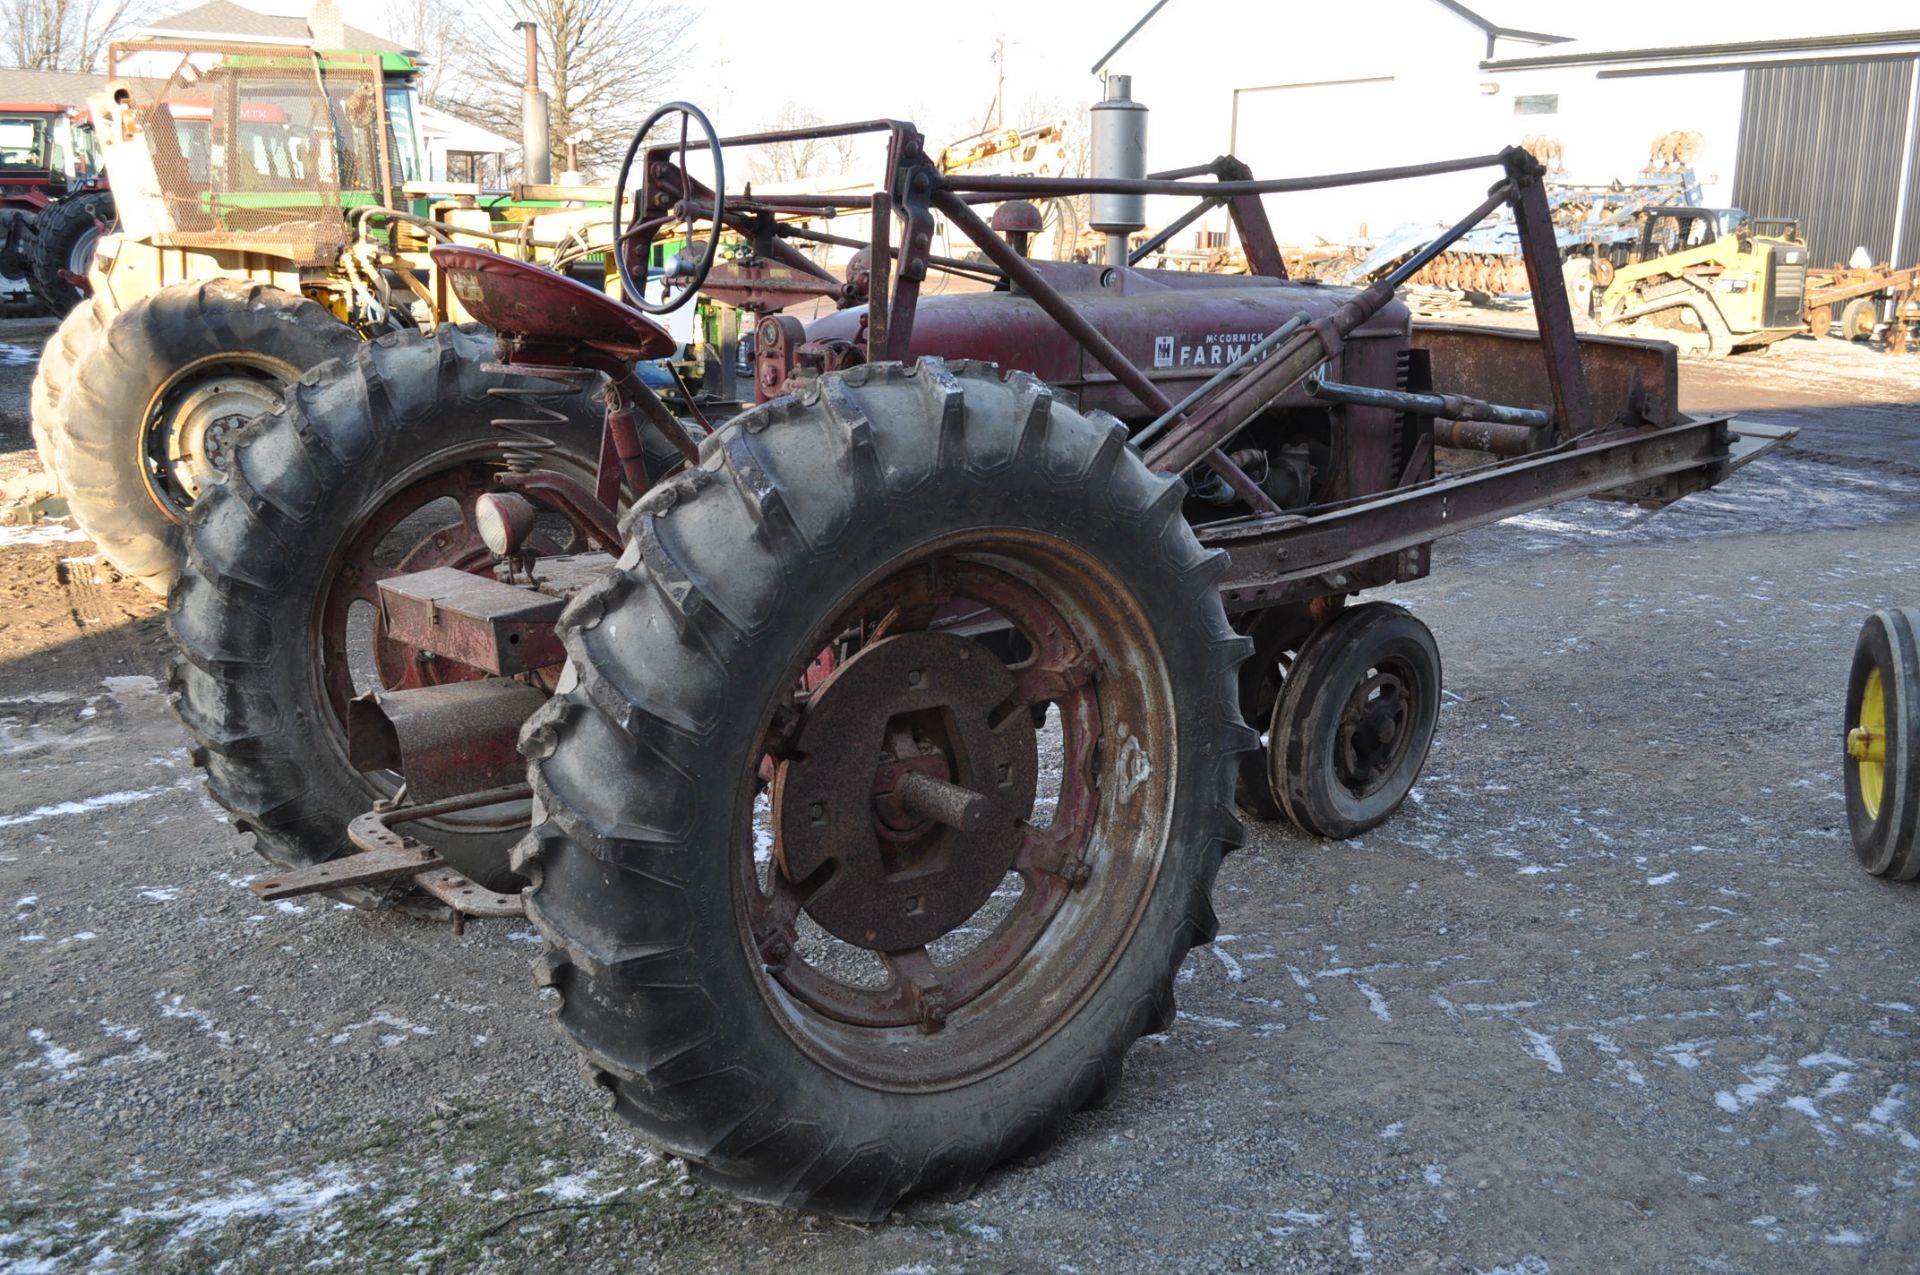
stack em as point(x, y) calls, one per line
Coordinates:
point(1354, 721)
point(838, 1051)
point(151, 405)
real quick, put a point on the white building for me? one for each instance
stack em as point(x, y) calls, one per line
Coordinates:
point(1801, 110)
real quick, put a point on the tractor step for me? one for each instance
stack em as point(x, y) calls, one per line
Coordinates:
point(383, 855)
point(369, 867)
point(468, 898)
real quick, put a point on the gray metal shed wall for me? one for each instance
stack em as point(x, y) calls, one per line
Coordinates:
point(1824, 142)
point(1909, 254)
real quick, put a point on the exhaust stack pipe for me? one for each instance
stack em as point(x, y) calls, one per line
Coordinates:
point(1119, 150)
point(536, 167)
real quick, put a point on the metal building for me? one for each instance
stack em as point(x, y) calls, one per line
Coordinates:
point(1806, 111)
point(1826, 128)
point(1816, 142)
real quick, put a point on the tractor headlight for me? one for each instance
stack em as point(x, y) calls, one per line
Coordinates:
point(1732, 285)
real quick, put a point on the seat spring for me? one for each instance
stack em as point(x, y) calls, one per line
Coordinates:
point(530, 431)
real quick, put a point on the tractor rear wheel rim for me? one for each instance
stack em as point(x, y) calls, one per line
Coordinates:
point(938, 997)
point(380, 545)
point(191, 419)
point(1867, 744)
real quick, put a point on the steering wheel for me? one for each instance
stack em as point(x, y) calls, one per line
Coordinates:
point(643, 221)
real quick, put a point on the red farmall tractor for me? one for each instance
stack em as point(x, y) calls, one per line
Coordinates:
point(867, 776)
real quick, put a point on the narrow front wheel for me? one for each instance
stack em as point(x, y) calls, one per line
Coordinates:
point(1352, 726)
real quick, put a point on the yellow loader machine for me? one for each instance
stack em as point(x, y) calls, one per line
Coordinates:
point(1738, 282)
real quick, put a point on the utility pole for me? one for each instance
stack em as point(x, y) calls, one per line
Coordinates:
point(1000, 82)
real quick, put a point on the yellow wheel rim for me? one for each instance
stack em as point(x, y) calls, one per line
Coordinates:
point(1867, 744)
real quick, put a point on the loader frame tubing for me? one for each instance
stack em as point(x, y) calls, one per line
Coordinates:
point(1200, 428)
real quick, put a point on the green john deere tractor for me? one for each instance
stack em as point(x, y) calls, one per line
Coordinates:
point(272, 217)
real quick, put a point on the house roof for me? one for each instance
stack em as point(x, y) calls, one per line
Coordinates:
point(1494, 31)
point(1758, 44)
point(225, 19)
point(54, 88)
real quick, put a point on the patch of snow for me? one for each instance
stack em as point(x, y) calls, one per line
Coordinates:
point(1531, 1264)
point(1762, 1079)
point(44, 533)
point(1294, 1220)
point(571, 1186)
point(289, 1200)
point(175, 1007)
point(1541, 1047)
point(63, 1063)
point(1375, 1002)
point(67, 809)
point(402, 1029)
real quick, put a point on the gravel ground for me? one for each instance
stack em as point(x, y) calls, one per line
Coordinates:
point(1609, 994)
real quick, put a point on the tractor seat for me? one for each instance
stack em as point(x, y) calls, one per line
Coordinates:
point(548, 311)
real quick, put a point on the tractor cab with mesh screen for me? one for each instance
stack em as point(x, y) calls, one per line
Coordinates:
point(272, 216)
point(264, 151)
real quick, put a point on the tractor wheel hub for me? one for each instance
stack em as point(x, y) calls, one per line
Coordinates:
point(905, 798)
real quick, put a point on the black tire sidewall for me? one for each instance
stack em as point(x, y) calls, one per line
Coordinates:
point(1305, 724)
point(266, 609)
point(707, 1002)
point(1886, 844)
point(60, 229)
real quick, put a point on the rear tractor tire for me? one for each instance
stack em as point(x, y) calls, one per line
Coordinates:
point(64, 245)
point(370, 468)
point(64, 351)
point(1354, 721)
point(820, 989)
point(1883, 745)
point(151, 405)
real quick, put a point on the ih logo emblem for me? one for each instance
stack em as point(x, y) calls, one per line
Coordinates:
point(1163, 351)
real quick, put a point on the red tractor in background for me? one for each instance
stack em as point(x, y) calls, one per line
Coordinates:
point(53, 202)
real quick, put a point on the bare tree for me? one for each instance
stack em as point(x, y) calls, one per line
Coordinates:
point(433, 29)
point(603, 63)
point(798, 160)
point(65, 35)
